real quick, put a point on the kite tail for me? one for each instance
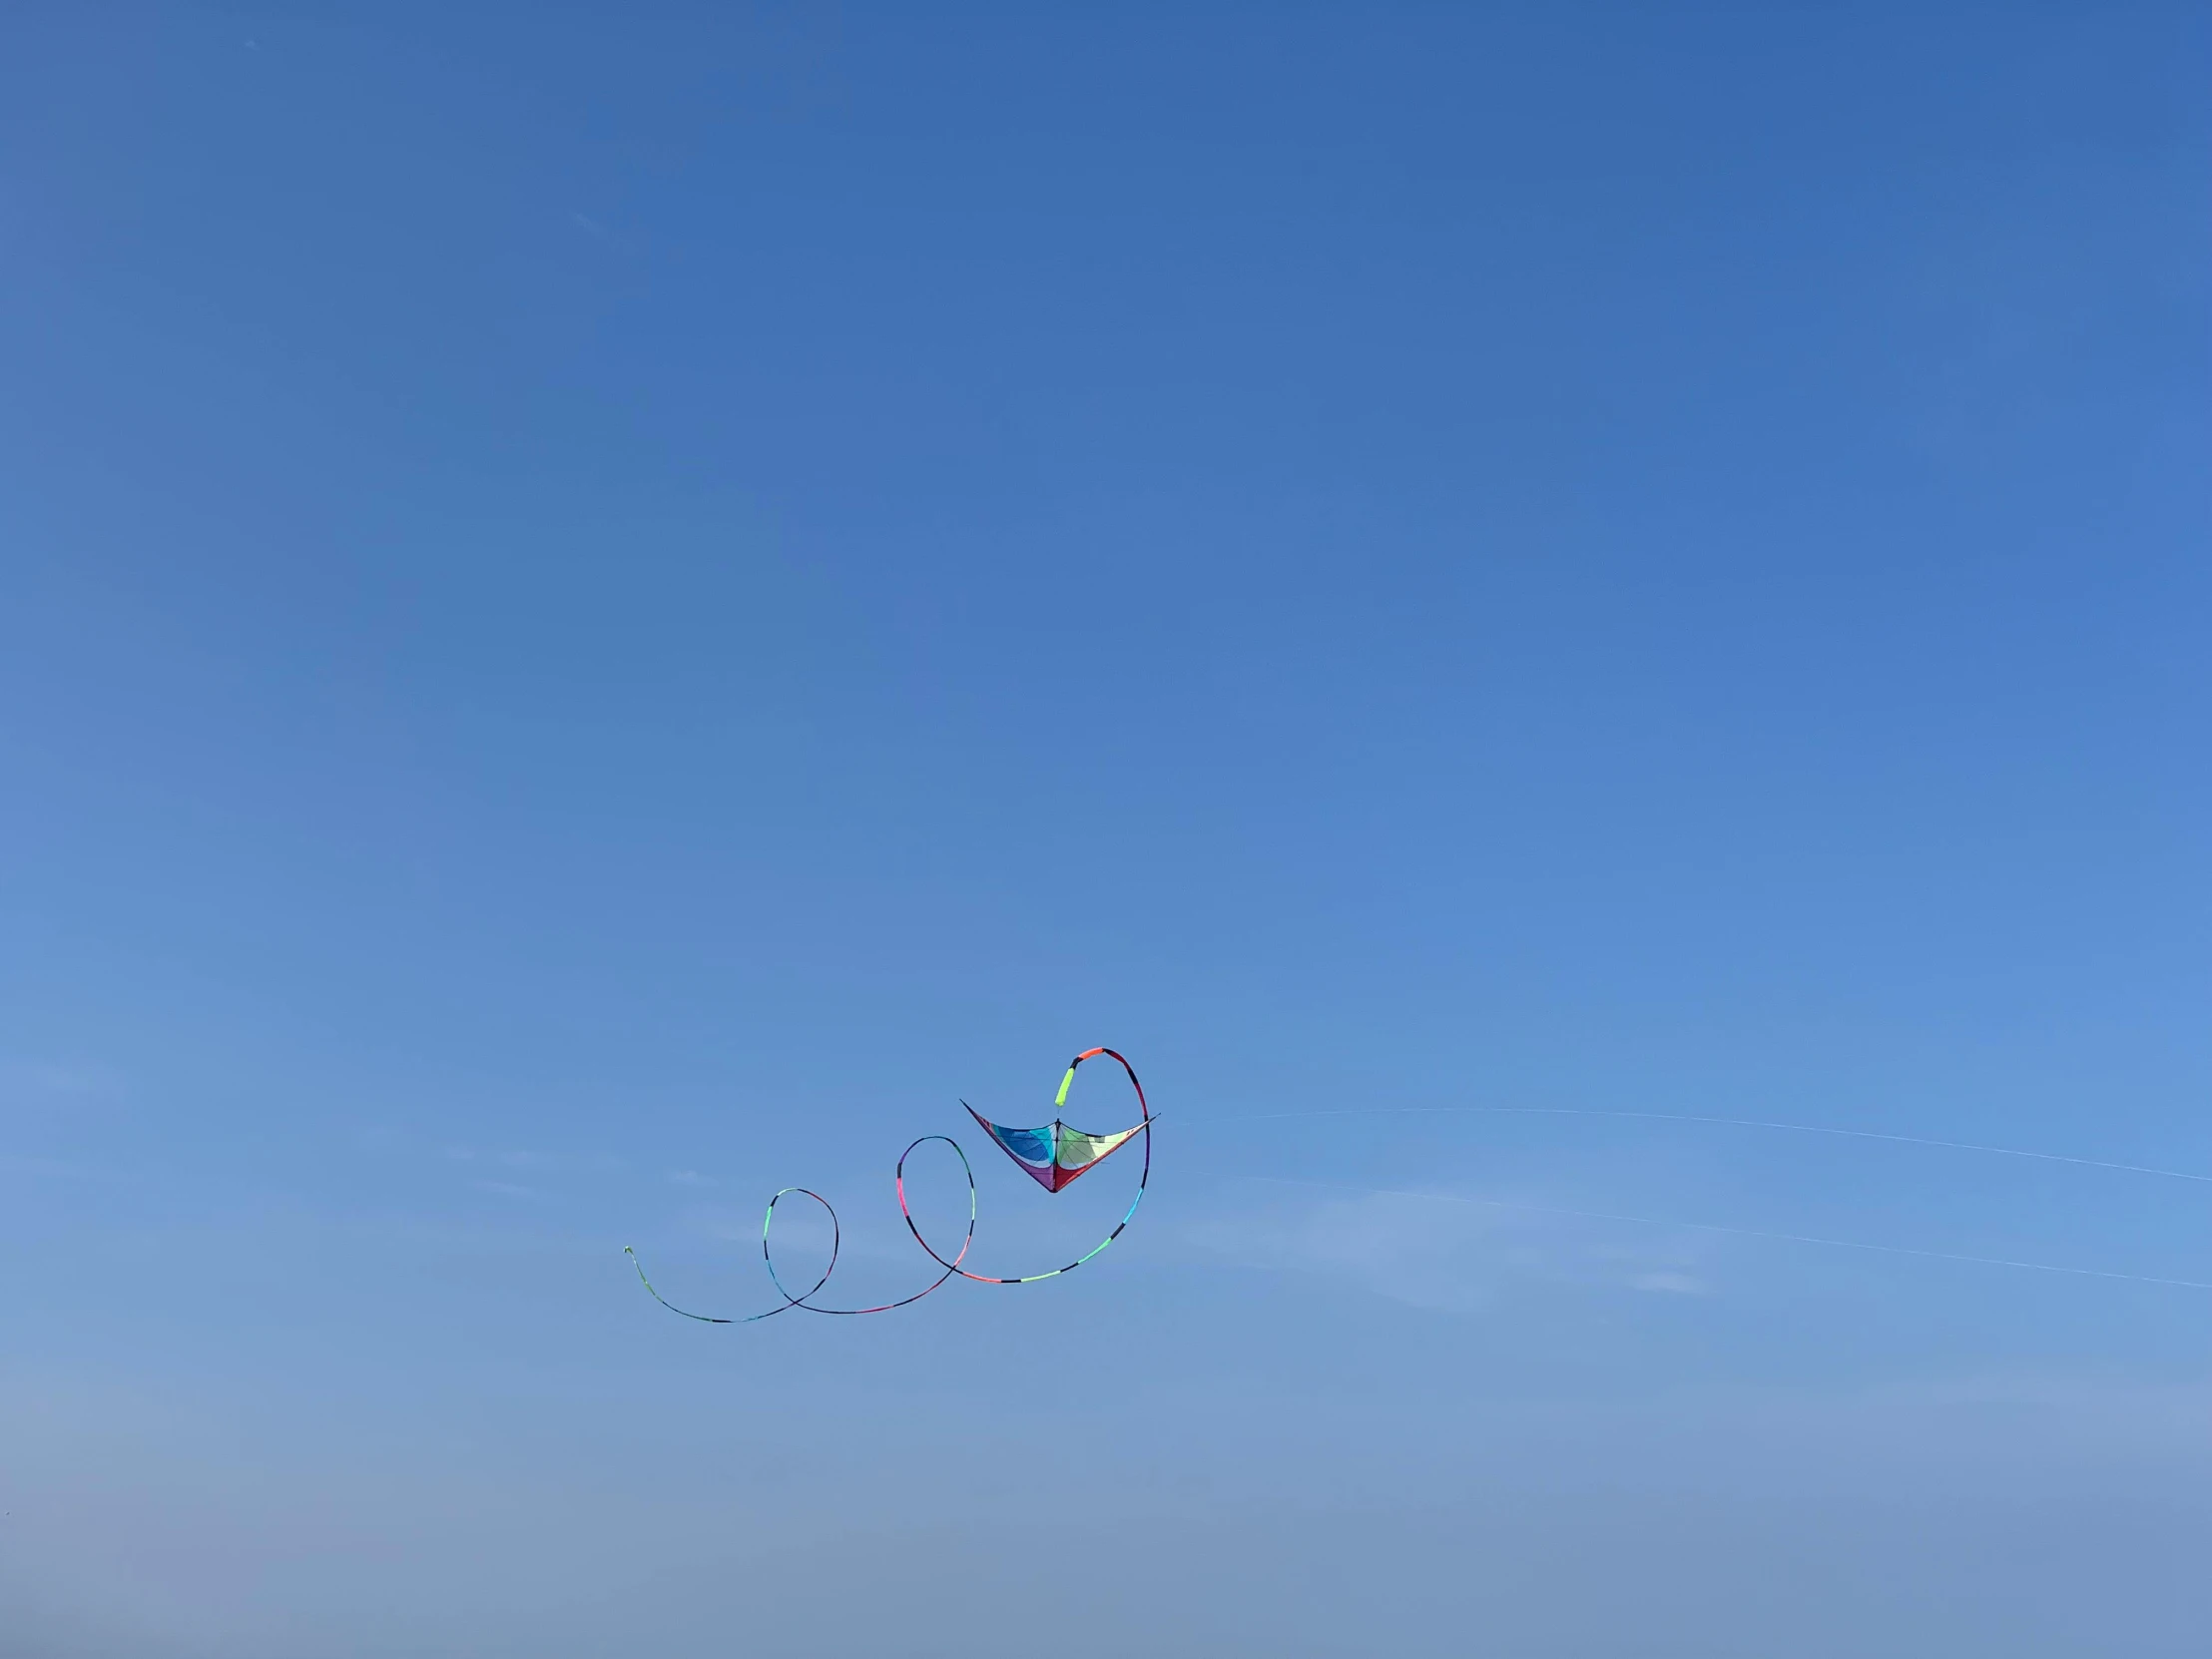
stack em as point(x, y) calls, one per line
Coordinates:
point(836, 1241)
point(704, 1319)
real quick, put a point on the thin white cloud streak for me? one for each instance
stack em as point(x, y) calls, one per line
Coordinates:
point(506, 1189)
point(62, 1169)
point(1741, 1232)
point(1677, 1284)
point(1733, 1123)
point(1437, 1256)
point(47, 1080)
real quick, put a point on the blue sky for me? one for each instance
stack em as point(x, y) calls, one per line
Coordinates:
point(607, 613)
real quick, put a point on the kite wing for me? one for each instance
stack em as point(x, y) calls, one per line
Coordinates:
point(1077, 1151)
point(1052, 1153)
point(1035, 1150)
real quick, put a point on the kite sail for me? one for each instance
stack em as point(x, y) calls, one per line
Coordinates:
point(1053, 1155)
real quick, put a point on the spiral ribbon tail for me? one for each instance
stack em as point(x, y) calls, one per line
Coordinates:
point(703, 1318)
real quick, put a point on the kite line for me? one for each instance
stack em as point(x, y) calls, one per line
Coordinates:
point(1054, 1153)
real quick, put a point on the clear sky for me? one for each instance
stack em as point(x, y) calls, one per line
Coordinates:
point(607, 609)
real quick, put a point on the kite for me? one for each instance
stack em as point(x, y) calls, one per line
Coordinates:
point(1052, 1153)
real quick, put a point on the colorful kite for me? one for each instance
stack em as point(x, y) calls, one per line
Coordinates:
point(1053, 1155)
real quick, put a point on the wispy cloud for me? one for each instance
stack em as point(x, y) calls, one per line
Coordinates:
point(1676, 1283)
point(60, 1168)
point(524, 1158)
point(55, 1080)
point(1685, 1231)
point(507, 1189)
point(1449, 1251)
